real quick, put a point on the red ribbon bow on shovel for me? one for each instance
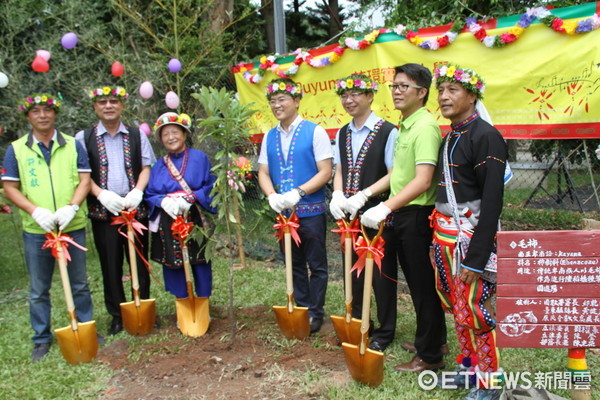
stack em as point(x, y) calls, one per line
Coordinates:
point(181, 229)
point(54, 240)
point(347, 229)
point(364, 248)
point(292, 224)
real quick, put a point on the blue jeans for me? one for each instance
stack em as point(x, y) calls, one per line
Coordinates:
point(40, 264)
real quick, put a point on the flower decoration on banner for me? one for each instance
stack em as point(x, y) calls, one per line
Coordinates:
point(431, 43)
point(117, 91)
point(290, 224)
point(466, 77)
point(285, 86)
point(56, 240)
point(363, 249)
point(37, 99)
point(347, 229)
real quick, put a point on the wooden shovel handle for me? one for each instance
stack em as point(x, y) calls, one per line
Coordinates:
point(366, 306)
point(64, 275)
point(289, 276)
point(135, 283)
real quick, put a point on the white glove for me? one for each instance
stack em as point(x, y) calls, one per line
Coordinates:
point(170, 206)
point(183, 206)
point(111, 201)
point(133, 199)
point(44, 218)
point(276, 202)
point(291, 198)
point(357, 201)
point(374, 215)
point(338, 204)
point(64, 215)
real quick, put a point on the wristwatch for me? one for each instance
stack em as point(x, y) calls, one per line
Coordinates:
point(301, 192)
point(75, 207)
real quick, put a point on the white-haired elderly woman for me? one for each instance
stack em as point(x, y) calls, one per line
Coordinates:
point(169, 196)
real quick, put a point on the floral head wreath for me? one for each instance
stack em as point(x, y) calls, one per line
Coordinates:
point(468, 78)
point(36, 99)
point(172, 118)
point(117, 91)
point(358, 82)
point(285, 86)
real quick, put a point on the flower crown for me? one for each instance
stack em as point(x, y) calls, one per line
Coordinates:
point(468, 78)
point(171, 118)
point(117, 91)
point(284, 86)
point(358, 82)
point(36, 99)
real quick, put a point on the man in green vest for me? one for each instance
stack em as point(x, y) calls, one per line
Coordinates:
point(47, 175)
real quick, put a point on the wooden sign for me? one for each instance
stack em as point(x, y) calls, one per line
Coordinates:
point(548, 292)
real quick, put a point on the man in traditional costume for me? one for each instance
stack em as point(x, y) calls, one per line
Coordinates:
point(469, 201)
point(120, 157)
point(294, 166)
point(363, 158)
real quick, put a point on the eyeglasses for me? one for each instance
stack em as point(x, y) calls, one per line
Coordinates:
point(403, 87)
point(350, 95)
point(104, 102)
point(279, 100)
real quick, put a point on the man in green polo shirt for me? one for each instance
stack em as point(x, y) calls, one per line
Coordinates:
point(412, 200)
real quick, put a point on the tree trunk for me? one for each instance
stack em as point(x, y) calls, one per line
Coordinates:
point(335, 22)
point(267, 13)
point(220, 15)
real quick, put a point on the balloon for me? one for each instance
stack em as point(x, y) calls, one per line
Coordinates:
point(146, 90)
point(40, 65)
point(3, 80)
point(145, 128)
point(45, 54)
point(174, 65)
point(172, 100)
point(117, 69)
point(69, 40)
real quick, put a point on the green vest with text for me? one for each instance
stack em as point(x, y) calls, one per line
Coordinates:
point(49, 186)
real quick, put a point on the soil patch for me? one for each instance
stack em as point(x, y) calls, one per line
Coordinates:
point(261, 365)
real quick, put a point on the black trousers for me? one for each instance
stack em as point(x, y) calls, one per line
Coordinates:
point(413, 240)
point(385, 289)
point(112, 249)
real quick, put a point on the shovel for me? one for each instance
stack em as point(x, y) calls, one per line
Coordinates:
point(192, 312)
point(79, 341)
point(365, 365)
point(138, 315)
point(347, 328)
point(293, 321)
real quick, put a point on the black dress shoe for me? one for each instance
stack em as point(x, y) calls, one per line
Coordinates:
point(116, 326)
point(39, 351)
point(315, 325)
point(378, 346)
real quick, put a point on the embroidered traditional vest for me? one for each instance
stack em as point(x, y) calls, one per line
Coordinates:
point(132, 157)
point(370, 162)
point(299, 168)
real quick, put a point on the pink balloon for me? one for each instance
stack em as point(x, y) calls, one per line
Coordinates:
point(45, 54)
point(174, 65)
point(145, 128)
point(69, 40)
point(146, 90)
point(172, 100)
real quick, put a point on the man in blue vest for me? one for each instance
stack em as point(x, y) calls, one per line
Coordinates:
point(47, 175)
point(364, 158)
point(120, 158)
point(294, 166)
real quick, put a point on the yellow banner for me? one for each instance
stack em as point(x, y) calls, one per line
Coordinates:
point(543, 85)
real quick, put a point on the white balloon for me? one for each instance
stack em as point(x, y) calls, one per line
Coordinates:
point(3, 80)
point(146, 90)
point(45, 54)
point(172, 100)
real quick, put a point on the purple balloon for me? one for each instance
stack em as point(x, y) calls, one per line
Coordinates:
point(69, 40)
point(174, 65)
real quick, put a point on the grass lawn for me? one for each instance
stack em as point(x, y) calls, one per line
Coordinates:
point(54, 378)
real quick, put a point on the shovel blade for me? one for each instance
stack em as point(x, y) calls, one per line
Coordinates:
point(295, 324)
point(78, 346)
point(140, 320)
point(347, 332)
point(365, 368)
point(193, 315)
